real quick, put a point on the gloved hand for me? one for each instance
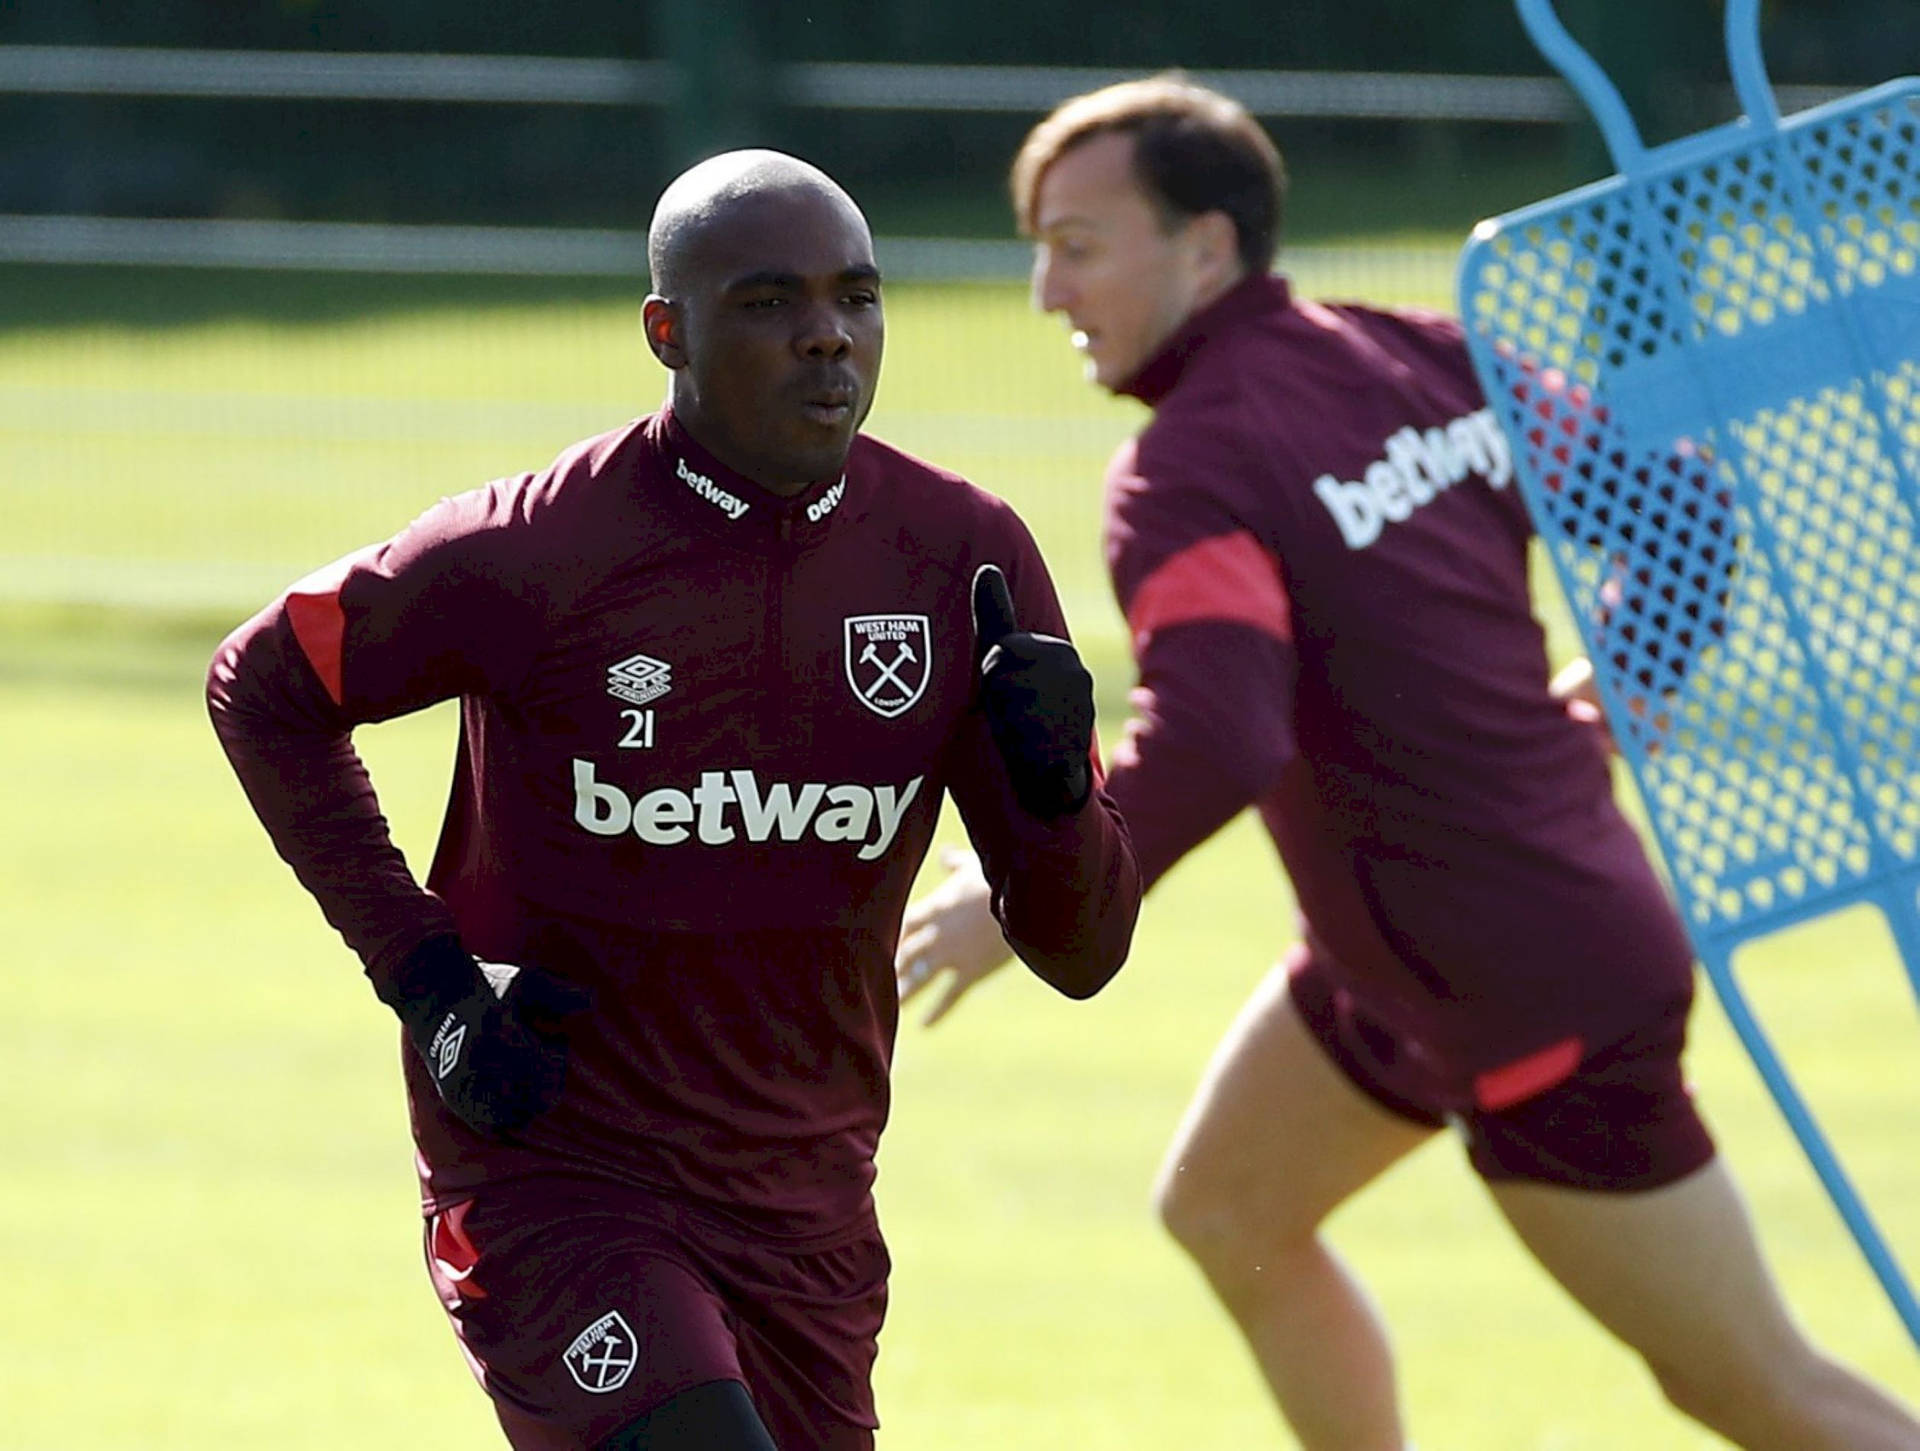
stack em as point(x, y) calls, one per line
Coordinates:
point(489, 1033)
point(1038, 701)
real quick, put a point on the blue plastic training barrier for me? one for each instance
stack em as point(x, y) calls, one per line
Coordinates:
point(1709, 369)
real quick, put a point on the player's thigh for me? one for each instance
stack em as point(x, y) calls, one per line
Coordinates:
point(1279, 1133)
point(1675, 1272)
point(1611, 1180)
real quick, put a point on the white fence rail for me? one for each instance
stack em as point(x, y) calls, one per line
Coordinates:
point(72, 70)
point(57, 70)
point(364, 247)
point(550, 80)
point(1423, 273)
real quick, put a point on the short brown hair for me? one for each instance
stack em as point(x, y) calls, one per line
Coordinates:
point(1194, 151)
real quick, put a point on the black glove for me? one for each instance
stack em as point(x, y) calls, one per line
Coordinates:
point(1038, 700)
point(488, 1033)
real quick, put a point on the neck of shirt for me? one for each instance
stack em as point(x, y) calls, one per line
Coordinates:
point(1253, 295)
point(698, 486)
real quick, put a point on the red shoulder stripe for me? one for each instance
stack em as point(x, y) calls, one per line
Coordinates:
point(1228, 578)
point(320, 625)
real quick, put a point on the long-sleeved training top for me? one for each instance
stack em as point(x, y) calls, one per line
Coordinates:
point(704, 738)
point(1324, 572)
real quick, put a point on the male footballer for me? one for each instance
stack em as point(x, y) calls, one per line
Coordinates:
point(717, 669)
point(1323, 567)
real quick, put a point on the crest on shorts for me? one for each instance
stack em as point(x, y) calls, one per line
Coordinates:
point(889, 659)
point(603, 1355)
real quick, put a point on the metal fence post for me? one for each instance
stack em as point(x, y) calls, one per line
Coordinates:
point(721, 81)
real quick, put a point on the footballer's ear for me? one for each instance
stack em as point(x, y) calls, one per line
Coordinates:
point(661, 321)
point(1216, 242)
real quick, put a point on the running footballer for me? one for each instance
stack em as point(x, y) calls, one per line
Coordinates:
point(1323, 566)
point(717, 669)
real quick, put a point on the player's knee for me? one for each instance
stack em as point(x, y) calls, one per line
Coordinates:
point(1713, 1399)
point(1686, 1389)
point(1215, 1220)
point(1729, 1393)
point(1188, 1208)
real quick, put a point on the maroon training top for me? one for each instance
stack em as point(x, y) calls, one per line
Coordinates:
point(1324, 571)
point(705, 734)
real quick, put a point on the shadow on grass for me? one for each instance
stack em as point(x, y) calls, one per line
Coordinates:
point(146, 651)
point(41, 297)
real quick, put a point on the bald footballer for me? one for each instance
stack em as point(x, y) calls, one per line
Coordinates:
point(717, 670)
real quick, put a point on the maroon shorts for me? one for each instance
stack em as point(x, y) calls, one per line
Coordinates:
point(1618, 1117)
point(580, 1309)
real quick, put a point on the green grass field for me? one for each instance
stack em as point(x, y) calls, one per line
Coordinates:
point(208, 1202)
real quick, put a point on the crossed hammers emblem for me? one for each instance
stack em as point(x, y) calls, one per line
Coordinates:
point(889, 670)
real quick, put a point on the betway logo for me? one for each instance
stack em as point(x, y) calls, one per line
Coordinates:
point(668, 816)
point(732, 505)
point(1418, 468)
point(826, 503)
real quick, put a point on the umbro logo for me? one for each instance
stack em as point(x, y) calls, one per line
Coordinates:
point(603, 1355)
point(446, 1046)
point(639, 679)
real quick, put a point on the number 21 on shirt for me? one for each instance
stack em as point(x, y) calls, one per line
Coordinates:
point(639, 736)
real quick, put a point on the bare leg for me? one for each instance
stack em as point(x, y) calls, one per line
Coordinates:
point(1275, 1139)
point(1677, 1275)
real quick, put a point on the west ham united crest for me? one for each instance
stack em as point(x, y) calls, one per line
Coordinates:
point(889, 659)
point(603, 1355)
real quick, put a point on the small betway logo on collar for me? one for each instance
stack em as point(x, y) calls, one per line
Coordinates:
point(732, 505)
point(603, 1355)
point(827, 502)
point(639, 678)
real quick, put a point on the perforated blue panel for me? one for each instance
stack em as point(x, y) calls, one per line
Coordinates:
point(1709, 369)
point(1708, 372)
